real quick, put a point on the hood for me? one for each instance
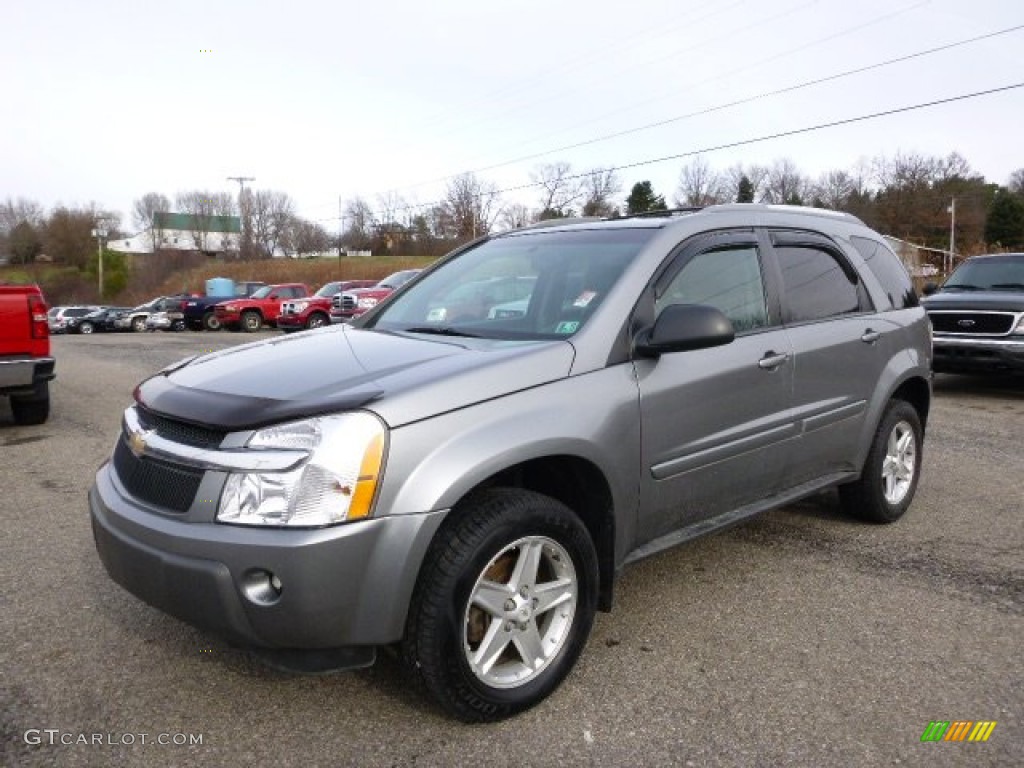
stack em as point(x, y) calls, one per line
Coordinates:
point(1007, 301)
point(401, 378)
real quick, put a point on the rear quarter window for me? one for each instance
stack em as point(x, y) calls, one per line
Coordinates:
point(888, 270)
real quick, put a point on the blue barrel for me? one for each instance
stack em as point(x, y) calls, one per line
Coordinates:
point(220, 286)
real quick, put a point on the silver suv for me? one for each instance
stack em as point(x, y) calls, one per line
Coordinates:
point(468, 485)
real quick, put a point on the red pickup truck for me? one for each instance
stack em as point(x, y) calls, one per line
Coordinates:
point(350, 304)
point(315, 311)
point(26, 366)
point(263, 307)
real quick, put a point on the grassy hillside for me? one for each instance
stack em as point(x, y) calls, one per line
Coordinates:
point(312, 272)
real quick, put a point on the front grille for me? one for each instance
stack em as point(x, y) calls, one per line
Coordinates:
point(180, 431)
point(345, 302)
point(156, 481)
point(972, 323)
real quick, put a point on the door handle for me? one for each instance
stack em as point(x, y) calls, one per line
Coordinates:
point(772, 360)
point(870, 337)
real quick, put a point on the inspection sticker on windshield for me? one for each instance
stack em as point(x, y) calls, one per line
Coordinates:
point(567, 326)
point(584, 298)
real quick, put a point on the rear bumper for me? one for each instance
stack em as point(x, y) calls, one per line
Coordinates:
point(966, 355)
point(20, 375)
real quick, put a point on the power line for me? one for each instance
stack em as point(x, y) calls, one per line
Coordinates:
point(748, 142)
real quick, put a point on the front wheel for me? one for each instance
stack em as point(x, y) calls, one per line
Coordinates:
point(139, 324)
point(178, 325)
point(889, 479)
point(504, 604)
point(210, 322)
point(317, 320)
point(251, 321)
point(85, 327)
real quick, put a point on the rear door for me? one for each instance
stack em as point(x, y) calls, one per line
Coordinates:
point(838, 342)
point(713, 419)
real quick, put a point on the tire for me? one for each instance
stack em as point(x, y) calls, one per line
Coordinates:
point(178, 325)
point(138, 324)
point(490, 537)
point(317, 320)
point(85, 327)
point(29, 410)
point(251, 321)
point(889, 479)
point(210, 322)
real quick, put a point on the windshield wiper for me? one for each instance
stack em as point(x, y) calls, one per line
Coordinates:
point(1011, 286)
point(440, 330)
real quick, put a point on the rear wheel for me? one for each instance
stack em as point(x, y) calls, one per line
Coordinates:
point(210, 322)
point(138, 324)
point(504, 604)
point(32, 409)
point(178, 325)
point(251, 321)
point(889, 478)
point(85, 327)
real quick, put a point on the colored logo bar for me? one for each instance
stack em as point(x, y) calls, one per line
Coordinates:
point(958, 730)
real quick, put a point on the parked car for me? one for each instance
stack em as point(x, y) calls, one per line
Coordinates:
point(59, 320)
point(166, 320)
point(353, 303)
point(977, 316)
point(262, 308)
point(470, 490)
point(199, 311)
point(98, 321)
point(135, 319)
point(26, 365)
point(315, 311)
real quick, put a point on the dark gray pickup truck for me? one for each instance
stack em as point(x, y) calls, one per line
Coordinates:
point(468, 485)
point(977, 316)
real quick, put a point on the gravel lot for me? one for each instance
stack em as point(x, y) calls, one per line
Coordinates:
point(799, 639)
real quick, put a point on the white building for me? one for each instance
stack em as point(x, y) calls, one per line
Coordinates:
point(213, 235)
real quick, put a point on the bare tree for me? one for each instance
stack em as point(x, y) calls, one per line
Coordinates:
point(560, 189)
point(469, 209)
point(359, 223)
point(145, 218)
point(199, 205)
point(1016, 182)
point(271, 214)
point(833, 190)
point(699, 184)
point(14, 212)
point(731, 179)
point(514, 216)
point(303, 237)
point(784, 184)
point(600, 187)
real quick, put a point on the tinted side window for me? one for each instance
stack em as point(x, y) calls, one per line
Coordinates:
point(726, 278)
point(815, 286)
point(889, 271)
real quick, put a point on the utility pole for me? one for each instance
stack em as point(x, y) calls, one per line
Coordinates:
point(952, 234)
point(99, 233)
point(246, 246)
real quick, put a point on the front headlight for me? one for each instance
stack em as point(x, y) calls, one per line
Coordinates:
point(367, 303)
point(299, 306)
point(336, 484)
point(230, 308)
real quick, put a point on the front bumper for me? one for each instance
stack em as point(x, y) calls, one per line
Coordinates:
point(345, 585)
point(966, 355)
point(291, 322)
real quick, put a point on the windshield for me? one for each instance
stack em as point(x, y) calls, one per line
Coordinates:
point(988, 273)
point(262, 292)
point(534, 285)
point(398, 279)
point(328, 290)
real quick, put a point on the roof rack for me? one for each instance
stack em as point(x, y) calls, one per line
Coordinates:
point(670, 212)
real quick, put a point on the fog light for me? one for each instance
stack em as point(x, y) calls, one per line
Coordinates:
point(261, 587)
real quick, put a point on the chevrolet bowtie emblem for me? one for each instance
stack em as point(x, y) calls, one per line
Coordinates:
point(137, 441)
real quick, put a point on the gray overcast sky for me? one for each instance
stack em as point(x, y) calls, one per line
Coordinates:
point(109, 99)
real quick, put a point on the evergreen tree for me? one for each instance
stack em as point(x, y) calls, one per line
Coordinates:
point(1004, 224)
point(745, 190)
point(642, 199)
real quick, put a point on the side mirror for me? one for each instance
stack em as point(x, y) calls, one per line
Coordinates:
point(930, 288)
point(682, 327)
